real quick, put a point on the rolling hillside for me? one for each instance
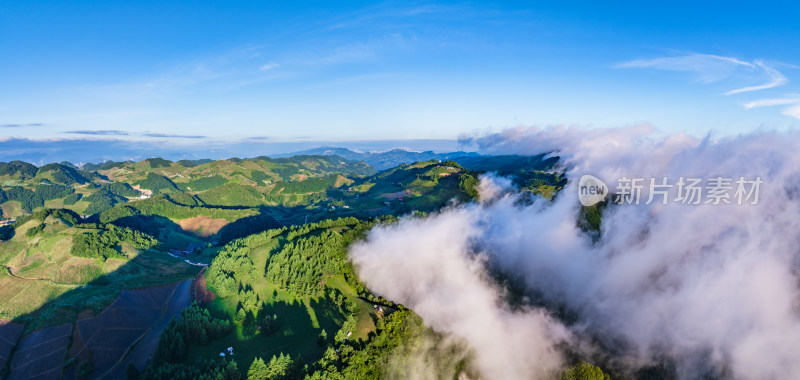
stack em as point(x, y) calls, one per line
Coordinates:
point(250, 253)
point(98, 187)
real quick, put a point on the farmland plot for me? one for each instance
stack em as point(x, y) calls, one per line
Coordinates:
point(113, 333)
point(41, 354)
point(9, 335)
point(126, 331)
point(143, 350)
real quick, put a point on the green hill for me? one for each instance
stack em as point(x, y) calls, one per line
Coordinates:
point(62, 174)
point(53, 252)
point(232, 194)
point(95, 188)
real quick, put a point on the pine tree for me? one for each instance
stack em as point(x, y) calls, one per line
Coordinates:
point(280, 367)
point(322, 338)
point(231, 371)
point(258, 370)
point(203, 337)
point(131, 371)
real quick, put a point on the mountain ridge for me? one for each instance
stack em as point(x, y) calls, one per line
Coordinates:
point(384, 159)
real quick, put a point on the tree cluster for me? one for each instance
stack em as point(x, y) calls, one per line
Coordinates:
point(18, 169)
point(63, 174)
point(107, 242)
point(368, 361)
point(232, 195)
point(195, 326)
point(30, 199)
point(303, 263)
point(72, 198)
point(109, 195)
point(231, 267)
point(259, 177)
point(158, 162)
point(160, 205)
point(203, 183)
point(156, 183)
point(204, 370)
point(280, 367)
point(183, 199)
point(311, 185)
point(68, 216)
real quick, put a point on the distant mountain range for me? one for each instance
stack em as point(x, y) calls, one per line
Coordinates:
point(381, 160)
point(40, 152)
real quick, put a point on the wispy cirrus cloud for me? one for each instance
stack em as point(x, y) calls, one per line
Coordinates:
point(268, 66)
point(775, 79)
point(24, 125)
point(709, 68)
point(792, 101)
point(706, 67)
point(99, 132)
point(362, 37)
point(117, 132)
point(385, 29)
point(169, 135)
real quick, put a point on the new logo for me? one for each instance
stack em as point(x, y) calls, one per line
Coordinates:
point(591, 190)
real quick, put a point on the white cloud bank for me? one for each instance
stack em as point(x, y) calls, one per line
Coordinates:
point(710, 288)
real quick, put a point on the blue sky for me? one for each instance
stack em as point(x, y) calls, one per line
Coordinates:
point(201, 71)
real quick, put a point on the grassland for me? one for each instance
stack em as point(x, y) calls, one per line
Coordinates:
point(45, 287)
point(11, 209)
point(42, 284)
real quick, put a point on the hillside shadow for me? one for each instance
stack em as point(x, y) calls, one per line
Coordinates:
point(7, 232)
point(162, 227)
point(247, 226)
point(151, 225)
point(46, 342)
point(296, 332)
point(165, 230)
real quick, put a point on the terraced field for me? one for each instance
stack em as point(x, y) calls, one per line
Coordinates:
point(40, 355)
point(108, 338)
point(125, 332)
point(9, 335)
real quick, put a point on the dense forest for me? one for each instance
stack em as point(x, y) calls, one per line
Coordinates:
point(33, 199)
point(300, 262)
point(106, 242)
